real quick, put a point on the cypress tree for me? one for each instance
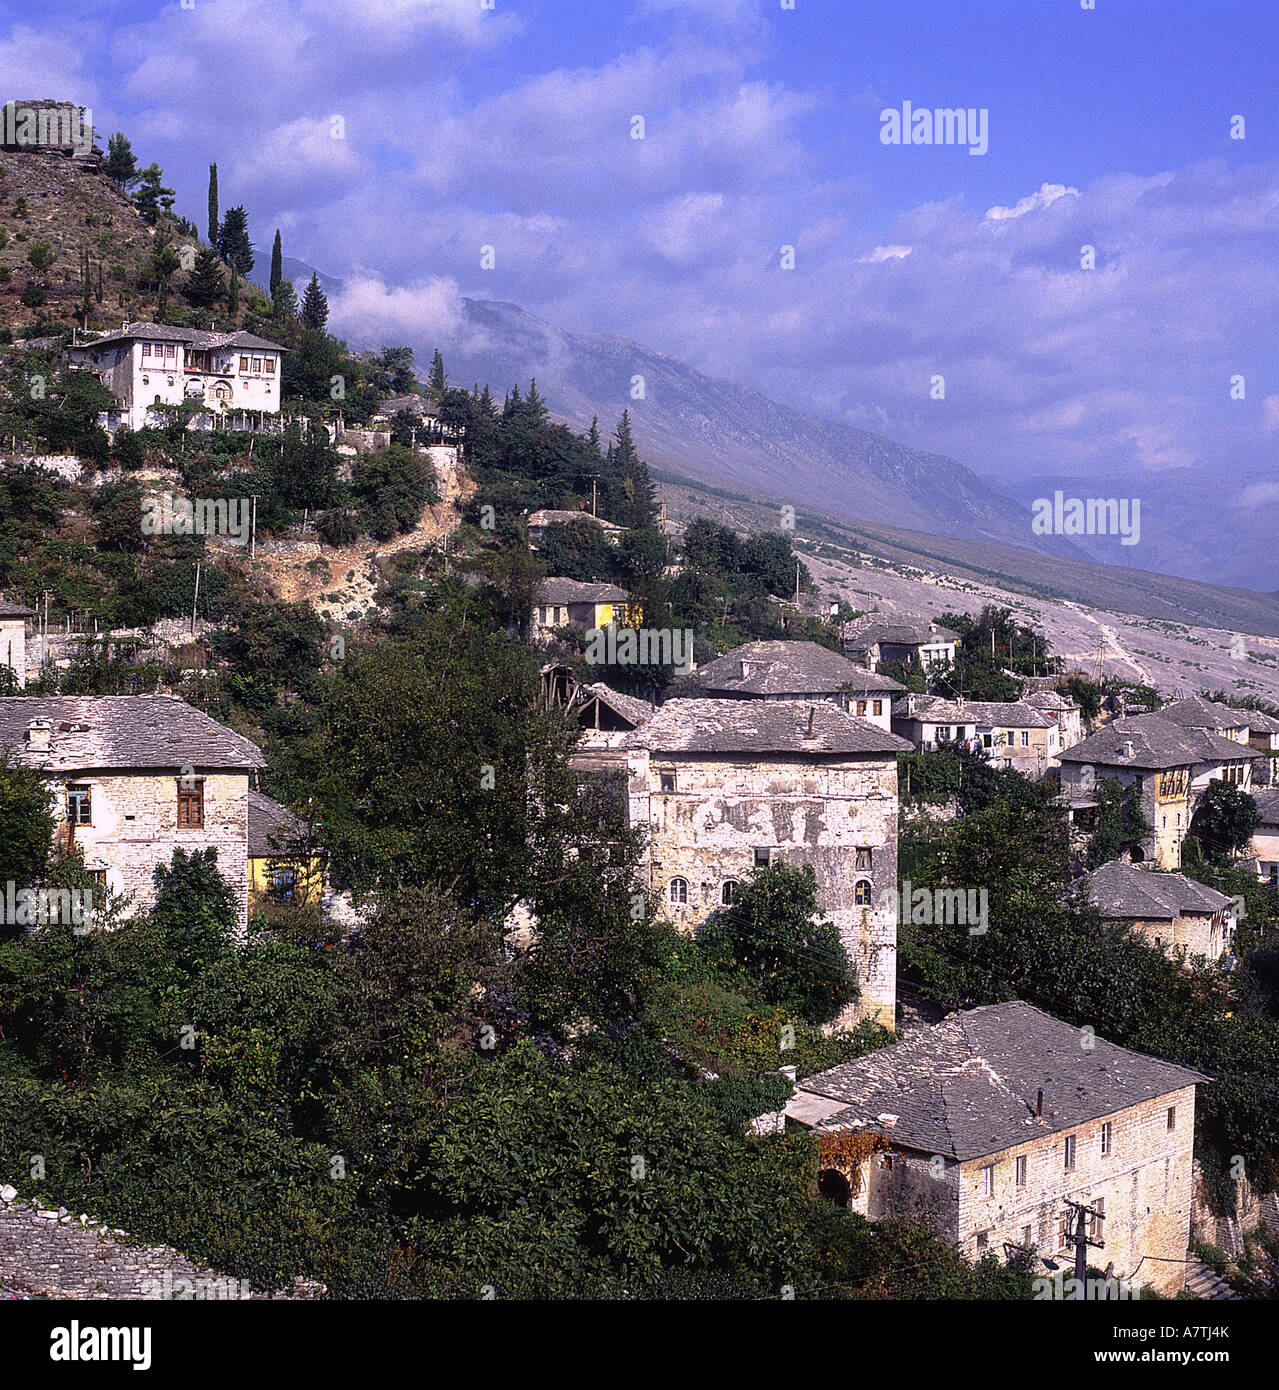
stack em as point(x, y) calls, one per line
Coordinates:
point(437, 382)
point(213, 205)
point(233, 300)
point(277, 263)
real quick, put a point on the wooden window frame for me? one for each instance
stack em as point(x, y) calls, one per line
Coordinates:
point(188, 797)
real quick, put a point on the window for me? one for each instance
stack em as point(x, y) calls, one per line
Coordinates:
point(244, 364)
point(861, 859)
point(861, 893)
point(1172, 1117)
point(1106, 1139)
point(191, 805)
point(1025, 1238)
point(257, 365)
point(99, 877)
point(170, 351)
point(1025, 738)
point(80, 807)
point(728, 893)
point(1096, 1217)
point(282, 885)
point(268, 365)
point(943, 733)
point(763, 858)
point(877, 706)
point(146, 349)
point(987, 740)
point(1020, 1164)
point(1070, 1152)
point(679, 890)
point(667, 780)
point(981, 1239)
point(861, 709)
point(988, 1180)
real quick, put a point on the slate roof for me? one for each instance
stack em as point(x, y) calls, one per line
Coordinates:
point(575, 591)
point(760, 726)
point(904, 630)
point(790, 668)
point(14, 610)
point(1267, 799)
point(547, 516)
point(998, 714)
point(967, 1086)
point(1120, 890)
point(193, 337)
point(1196, 712)
point(273, 828)
point(630, 707)
point(122, 731)
point(1049, 700)
point(1156, 743)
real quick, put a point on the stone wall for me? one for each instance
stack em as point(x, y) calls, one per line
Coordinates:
point(51, 1252)
point(805, 810)
point(134, 828)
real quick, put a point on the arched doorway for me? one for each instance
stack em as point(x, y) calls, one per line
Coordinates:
point(833, 1185)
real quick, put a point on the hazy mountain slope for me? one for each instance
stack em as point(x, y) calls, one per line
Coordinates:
point(1203, 523)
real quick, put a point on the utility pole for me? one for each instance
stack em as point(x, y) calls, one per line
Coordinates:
point(592, 496)
point(1081, 1240)
point(44, 640)
point(796, 583)
point(195, 598)
point(253, 527)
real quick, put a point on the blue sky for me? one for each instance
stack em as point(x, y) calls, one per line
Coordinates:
point(463, 127)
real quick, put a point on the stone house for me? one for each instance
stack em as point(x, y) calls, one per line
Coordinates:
point(135, 777)
point(152, 367)
point(914, 641)
point(1265, 839)
point(1010, 732)
point(1171, 764)
point(13, 639)
point(539, 520)
point(1064, 712)
point(573, 603)
point(726, 787)
point(986, 1123)
point(1183, 918)
point(1250, 726)
point(285, 864)
point(801, 671)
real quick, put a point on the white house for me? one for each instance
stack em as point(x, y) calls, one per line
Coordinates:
point(13, 640)
point(153, 365)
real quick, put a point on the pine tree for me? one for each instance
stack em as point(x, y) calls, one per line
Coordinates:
point(204, 285)
point(213, 205)
point(277, 263)
point(233, 299)
point(152, 196)
point(234, 245)
point(437, 382)
point(120, 163)
point(534, 404)
point(593, 436)
point(315, 307)
point(164, 261)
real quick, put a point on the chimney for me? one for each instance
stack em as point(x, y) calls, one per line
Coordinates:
point(1039, 1103)
point(39, 735)
point(812, 712)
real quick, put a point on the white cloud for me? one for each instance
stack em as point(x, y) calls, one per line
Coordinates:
point(1033, 202)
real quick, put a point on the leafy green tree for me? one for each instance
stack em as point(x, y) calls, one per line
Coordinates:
point(234, 245)
point(195, 909)
point(1085, 694)
point(315, 305)
point(436, 382)
point(1225, 819)
point(273, 647)
point(26, 823)
point(41, 255)
point(773, 935)
point(119, 163)
point(163, 262)
point(305, 471)
point(1121, 823)
point(284, 300)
